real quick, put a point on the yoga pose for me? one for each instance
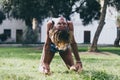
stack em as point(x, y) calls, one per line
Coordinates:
point(60, 37)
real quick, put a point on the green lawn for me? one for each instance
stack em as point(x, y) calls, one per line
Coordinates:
point(18, 63)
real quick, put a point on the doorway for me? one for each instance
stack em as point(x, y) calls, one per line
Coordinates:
point(86, 37)
point(19, 34)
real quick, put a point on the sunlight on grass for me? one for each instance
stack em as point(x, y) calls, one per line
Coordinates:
point(22, 64)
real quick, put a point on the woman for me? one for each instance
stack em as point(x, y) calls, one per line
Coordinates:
point(59, 38)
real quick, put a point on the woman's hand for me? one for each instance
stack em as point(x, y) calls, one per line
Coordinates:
point(77, 67)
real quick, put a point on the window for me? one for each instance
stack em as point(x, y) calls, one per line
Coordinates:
point(7, 32)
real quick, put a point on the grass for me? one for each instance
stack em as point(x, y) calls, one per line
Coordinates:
point(21, 63)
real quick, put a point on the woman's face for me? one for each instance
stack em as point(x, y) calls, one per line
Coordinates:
point(61, 24)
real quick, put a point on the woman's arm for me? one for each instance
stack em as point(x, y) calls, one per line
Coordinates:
point(73, 42)
point(74, 47)
point(46, 47)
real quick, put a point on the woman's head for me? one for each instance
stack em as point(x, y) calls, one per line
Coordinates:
point(60, 34)
point(61, 23)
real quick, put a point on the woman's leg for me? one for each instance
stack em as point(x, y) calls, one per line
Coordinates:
point(45, 62)
point(67, 58)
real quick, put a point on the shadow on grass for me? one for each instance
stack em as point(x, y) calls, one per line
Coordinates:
point(35, 53)
point(23, 53)
point(114, 50)
point(15, 77)
point(91, 75)
point(98, 75)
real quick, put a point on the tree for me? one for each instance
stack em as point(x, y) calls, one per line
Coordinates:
point(60, 7)
point(2, 16)
point(25, 10)
point(41, 9)
point(114, 3)
point(93, 46)
point(3, 37)
point(89, 10)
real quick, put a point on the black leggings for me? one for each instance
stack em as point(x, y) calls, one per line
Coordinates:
point(53, 49)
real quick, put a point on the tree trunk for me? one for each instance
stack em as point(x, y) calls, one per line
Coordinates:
point(93, 46)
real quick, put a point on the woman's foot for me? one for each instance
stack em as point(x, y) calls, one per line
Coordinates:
point(44, 69)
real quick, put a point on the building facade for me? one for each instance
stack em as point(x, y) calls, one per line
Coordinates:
point(85, 34)
point(15, 29)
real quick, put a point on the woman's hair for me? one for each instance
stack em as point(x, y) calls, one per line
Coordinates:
point(60, 36)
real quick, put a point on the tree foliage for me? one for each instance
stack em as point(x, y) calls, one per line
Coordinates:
point(41, 9)
point(115, 3)
point(2, 16)
point(60, 7)
point(89, 10)
point(25, 9)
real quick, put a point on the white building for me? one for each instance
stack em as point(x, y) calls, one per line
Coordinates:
point(83, 34)
point(14, 29)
